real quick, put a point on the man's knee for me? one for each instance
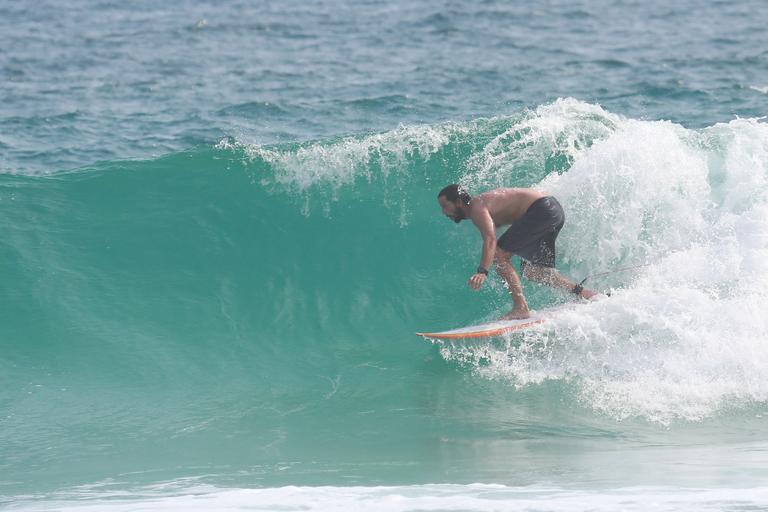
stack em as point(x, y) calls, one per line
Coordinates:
point(536, 273)
point(501, 257)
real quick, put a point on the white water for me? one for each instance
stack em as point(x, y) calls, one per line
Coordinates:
point(465, 498)
point(686, 336)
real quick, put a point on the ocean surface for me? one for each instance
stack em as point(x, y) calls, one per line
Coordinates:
point(219, 233)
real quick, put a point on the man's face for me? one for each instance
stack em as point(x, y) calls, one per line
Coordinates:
point(451, 210)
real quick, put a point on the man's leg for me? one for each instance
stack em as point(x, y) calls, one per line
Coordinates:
point(551, 277)
point(507, 272)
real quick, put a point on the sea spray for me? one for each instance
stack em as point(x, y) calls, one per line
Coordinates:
point(683, 337)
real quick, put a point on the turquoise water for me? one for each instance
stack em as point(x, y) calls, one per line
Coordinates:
point(219, 235)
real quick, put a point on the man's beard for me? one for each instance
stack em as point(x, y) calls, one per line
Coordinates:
point(458, 216)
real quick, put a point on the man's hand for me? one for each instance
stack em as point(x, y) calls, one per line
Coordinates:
point(477, 280)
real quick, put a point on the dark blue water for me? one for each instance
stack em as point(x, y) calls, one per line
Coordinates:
point(108, 80)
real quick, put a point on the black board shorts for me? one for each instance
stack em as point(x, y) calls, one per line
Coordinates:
point(532, 236)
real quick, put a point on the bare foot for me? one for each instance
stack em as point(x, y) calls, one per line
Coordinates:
point(516, 314)
point(587, 294)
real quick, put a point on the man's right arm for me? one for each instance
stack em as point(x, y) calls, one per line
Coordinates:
point(482, 219)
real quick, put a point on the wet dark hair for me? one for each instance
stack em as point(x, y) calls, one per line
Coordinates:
point(454, 192)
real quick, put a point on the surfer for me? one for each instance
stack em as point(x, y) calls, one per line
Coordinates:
point(534, 221)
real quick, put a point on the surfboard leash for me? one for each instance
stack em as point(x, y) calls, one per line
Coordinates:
point(579, 287)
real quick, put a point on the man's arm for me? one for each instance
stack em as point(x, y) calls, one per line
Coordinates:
point(482, 219)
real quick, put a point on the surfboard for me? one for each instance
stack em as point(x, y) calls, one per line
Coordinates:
point(495, 328)
point(486, 330)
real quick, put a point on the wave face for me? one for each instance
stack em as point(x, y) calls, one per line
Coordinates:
point(250, 310)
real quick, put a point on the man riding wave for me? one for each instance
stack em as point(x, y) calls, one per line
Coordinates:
point(534, 221)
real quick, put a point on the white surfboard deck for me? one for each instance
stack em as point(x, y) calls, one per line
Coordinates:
point(489, 329)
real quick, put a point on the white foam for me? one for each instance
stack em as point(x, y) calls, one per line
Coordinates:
point(686, 336)
point(340, 162)
point(566, 126)
point(473, 497)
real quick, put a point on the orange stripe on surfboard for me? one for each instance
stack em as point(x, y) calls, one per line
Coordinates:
point(485, 333)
